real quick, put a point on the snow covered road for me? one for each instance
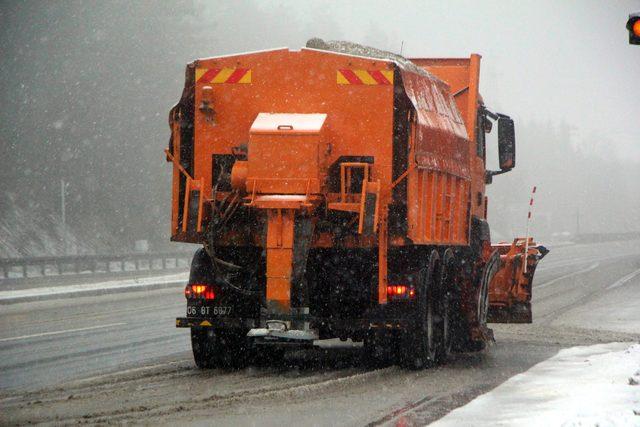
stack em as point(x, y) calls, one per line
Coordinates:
point(142, 371)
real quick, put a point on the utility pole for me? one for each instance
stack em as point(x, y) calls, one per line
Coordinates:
point(64, 214)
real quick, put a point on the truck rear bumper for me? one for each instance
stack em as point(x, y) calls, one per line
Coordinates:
point(217, 322)
point(233, 323)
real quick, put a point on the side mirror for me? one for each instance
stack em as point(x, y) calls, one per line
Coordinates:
point(633, 25)
point(506, 143)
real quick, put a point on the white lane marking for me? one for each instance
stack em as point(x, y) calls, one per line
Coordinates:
point(44, 334)
point(551, 282)
point(624, 280)
point(567, 263)
point(578, 261)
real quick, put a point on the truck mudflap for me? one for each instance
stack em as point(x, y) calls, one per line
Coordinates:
point(510, 289)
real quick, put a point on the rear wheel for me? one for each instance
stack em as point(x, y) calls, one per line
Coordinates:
point(445, 303)
point(219, 349)
point(420, 344)
point(376, 351)
point(204, 346)
point(465, 340)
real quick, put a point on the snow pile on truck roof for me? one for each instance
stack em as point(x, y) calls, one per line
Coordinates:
point(429, 95)
point(367, 51)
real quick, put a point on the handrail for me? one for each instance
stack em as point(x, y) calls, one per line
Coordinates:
point(177, 164)
point(403, 176)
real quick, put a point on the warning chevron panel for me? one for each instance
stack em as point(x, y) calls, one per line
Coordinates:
point(347, 76)
point(223, 75)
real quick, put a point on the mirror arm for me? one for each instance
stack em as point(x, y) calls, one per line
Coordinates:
point(488, 175)
point(491, 115)
point(500, 172)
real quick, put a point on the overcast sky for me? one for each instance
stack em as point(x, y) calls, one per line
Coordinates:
point(558, 60)
point(87, 86)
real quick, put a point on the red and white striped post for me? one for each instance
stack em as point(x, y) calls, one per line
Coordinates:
point(526, 237)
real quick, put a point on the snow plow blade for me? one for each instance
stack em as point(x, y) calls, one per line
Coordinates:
point(510, 289)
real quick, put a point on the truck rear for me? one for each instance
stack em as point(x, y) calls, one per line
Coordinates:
point(340, 195)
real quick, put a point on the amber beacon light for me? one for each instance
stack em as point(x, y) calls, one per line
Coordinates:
point(633, 25)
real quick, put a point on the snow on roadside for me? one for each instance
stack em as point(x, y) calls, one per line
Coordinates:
point(580, 386)
point(91, 288)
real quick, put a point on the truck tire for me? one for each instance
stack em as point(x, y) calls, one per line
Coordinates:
point(419, 346)
point(481, 307)
point(219, 349)
point(446, 341)
point(204, 346)
point(482, 310)
point(490, 269)
point(375, 351)
point(444, 300)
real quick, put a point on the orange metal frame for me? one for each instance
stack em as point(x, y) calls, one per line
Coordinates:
point(359, 122)
point(359, 117)
point(463, 77)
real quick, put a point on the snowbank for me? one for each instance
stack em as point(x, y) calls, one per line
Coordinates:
point(580, 386)
point(88, 289)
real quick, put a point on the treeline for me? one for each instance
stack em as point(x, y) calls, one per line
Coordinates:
point(87, 87)
point(86, 91)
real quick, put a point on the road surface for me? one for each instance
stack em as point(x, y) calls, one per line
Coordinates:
point(119, 358)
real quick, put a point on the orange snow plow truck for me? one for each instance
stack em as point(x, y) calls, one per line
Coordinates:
point(338, 191)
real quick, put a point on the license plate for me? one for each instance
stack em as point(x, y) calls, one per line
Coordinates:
point(203, 310)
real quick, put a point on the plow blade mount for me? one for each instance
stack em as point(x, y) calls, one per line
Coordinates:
point(510, 289)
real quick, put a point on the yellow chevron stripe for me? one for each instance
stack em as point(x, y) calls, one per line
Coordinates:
point(365, 77)
point(246, 78)
point(340, 79)
point(388, 74)
point(200, 72)
point(223, 75)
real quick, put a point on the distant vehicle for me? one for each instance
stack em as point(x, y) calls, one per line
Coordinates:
point(341, 195)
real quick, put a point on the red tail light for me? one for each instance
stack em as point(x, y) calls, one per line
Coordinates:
point(199, 291)
point(400, 292)
point(209, 294)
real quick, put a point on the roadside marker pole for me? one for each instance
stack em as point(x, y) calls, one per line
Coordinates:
point(63, 186)
point(526, 237)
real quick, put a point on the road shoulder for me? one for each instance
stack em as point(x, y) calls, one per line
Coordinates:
point(587, 385)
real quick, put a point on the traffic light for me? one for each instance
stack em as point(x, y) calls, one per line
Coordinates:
point(633, 25)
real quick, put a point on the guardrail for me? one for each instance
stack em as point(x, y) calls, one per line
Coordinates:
point(606, 237)
point(22, 268)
